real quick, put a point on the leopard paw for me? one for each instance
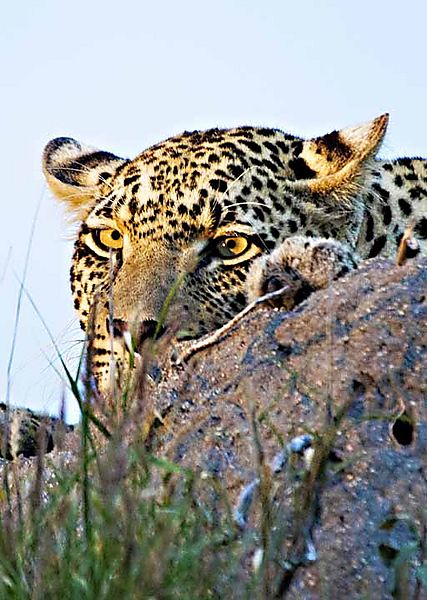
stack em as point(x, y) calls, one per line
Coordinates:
point(301, 265)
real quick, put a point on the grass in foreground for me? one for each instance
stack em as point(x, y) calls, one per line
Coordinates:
point(112, 521)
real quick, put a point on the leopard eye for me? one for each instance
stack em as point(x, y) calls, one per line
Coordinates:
point(233, 246)
point(108, 238)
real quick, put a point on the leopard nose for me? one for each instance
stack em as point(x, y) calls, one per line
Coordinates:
point(147, 329)
point(117, 327)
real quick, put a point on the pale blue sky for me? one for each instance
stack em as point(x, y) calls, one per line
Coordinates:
point(122, 75)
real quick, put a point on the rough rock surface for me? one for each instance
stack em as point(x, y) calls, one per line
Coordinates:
point(347, 367)
point(350, 368)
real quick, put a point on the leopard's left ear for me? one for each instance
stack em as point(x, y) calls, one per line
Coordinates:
point(75, 173)
point(334, 160)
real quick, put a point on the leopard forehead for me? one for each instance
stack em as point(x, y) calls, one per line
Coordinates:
point(198, 183)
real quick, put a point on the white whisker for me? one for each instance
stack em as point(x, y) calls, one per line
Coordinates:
point(216, 202)
point(249, 203)
point(245, 172)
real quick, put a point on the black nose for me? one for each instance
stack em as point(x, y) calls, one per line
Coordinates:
point(118, 326)
point(148, 329)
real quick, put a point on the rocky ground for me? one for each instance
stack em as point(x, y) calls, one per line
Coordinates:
point(348, 367)
point(347, 517)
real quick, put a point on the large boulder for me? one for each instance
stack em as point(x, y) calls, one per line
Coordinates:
point(349, 368)
point(310, 428)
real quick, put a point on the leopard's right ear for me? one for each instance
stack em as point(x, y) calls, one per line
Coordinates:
point(76, 173)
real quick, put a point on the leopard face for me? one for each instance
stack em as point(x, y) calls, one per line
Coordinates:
point(166, 240)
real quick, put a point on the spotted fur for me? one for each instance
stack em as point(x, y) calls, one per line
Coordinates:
point(177, 204)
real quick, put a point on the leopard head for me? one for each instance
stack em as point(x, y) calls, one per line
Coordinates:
point(166, 239)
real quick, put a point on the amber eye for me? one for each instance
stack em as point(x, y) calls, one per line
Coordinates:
point(233, 246)
point(108, 238)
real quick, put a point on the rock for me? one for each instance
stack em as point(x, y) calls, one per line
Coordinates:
point(349, 368)
point(312, 426)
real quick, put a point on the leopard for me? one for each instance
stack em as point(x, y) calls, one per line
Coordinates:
point(182, 237)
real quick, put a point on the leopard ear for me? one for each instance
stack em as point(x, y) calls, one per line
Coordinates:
point(75, 173)
point(330, 163)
